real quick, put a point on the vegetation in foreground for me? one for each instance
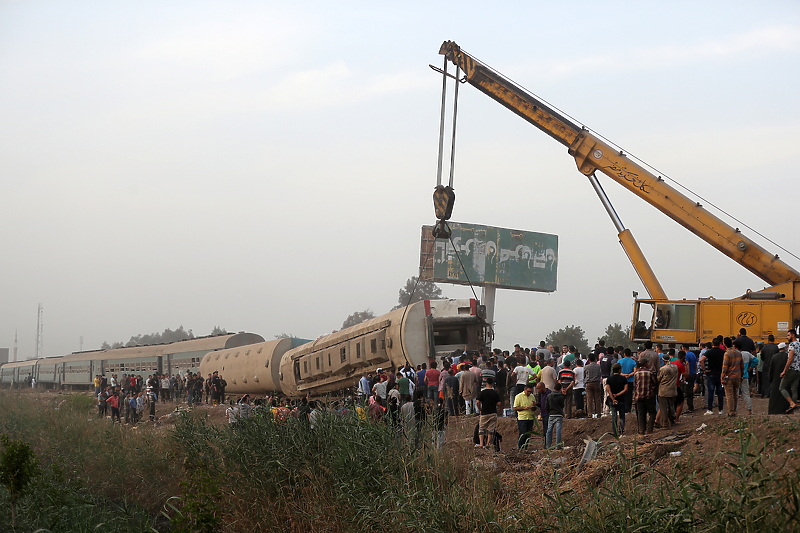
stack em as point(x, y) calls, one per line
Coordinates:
point(351, 475)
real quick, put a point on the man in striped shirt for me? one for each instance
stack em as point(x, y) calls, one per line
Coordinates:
point(644, 397)
point(732, 372)
point(567, 379)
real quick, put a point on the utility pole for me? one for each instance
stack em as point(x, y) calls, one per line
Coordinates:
point(16, 346)
point(81, 344)
point(39, 331)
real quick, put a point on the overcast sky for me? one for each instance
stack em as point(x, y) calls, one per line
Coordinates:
point(267, 166)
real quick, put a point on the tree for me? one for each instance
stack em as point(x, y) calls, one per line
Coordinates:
point(571, 336)
point(285, 336)
point(166, 337)
point(615, 335)
point(418, 291)
point(219, 331)
point(357, 318)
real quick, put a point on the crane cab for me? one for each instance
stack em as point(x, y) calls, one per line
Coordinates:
point(694, 321)
point(665, 321)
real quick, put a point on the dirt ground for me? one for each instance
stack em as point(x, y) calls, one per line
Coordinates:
point(703, 441)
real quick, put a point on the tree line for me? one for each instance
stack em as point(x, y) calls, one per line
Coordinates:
point(165, 337)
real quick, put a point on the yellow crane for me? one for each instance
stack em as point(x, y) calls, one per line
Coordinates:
point(773, 310)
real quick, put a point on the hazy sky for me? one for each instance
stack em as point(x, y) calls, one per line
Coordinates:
point(267, 166)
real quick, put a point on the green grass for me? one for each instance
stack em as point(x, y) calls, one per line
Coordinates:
point(351, 475)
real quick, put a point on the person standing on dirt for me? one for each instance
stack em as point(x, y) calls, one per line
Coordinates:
point(542, 393)
point(667, 391)
point(644, 396)
point(594, 391)
point(524, 405)
point(777, 403)
point(216, 388)
point(691, 377)
point(488, 401)
point(616, 389)
point(579, 389)
point(102, 403)
point(555, 410)
point(714, 357)
point(113, 402)
point(732, 372)
point(790, 377)
point(152, 399)
point(566, 376)
point(766, 354)
point(501, 379)
point(469, 386)
point(198, 389)
point(628, 366)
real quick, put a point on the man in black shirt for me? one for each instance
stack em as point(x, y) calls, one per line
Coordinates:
point(500, 380)
point(769, 350)
point(714, 357)
point(747, 343)
point(616, 388)
point(488, 402)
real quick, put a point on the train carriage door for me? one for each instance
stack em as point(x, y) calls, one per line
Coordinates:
point(430, 338)
point(296, 369)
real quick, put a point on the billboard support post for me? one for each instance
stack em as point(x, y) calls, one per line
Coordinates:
point(489, 291)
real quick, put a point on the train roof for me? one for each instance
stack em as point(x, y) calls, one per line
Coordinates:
point(201, 344)
point(29, 362)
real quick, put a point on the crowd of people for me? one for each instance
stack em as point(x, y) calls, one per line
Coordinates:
point(542, 386)
point(538, 386)
point(133, 395)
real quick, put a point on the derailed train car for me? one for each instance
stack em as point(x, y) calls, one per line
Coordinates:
point(418, 334)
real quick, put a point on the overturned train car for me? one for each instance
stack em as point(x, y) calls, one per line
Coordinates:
point(420, 333)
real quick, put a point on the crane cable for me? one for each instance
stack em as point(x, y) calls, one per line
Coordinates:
point(631, 155)
point(439, 169)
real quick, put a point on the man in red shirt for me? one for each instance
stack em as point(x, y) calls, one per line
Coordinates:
point(432, 382)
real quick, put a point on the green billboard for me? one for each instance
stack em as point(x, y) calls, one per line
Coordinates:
point(507, 258)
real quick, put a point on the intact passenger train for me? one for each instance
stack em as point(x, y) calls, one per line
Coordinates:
point(416, 334)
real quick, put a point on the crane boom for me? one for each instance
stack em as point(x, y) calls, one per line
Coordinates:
point(592, 154)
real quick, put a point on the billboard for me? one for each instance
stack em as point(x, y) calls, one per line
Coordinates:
point(507, 258)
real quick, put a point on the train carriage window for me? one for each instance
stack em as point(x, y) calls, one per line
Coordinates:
point(317, 362)
point(329, 360)
point(358, 351)
point(343, 354)
point(373, 345)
